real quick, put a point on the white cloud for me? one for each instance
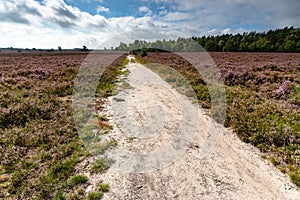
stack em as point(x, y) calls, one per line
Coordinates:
point(144, 9)
point(245, 13)
point(55, 23)
point(27, 23)
point(102, 9)
point(176, 16)
point(90, 1)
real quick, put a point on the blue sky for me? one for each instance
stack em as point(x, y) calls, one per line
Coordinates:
point(74, 23)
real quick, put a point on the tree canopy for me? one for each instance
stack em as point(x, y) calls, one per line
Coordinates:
point(279, 40)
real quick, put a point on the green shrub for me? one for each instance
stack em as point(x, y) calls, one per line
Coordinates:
point(295, 177)
point(59, 196)
point(95, 196)
point(78, 179)
point(103, 118)
point(101, 165)
point(144, 52)
point(104, 187)
point(63, 170)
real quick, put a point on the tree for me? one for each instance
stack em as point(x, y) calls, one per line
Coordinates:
point(59, 48)
point(123, 47)
point(85, 48)
point(289, 46)
point(229, 46)
point(280, 40)
point(210, 45)
point(262, 44)
point(144, 52)
point(221, 44)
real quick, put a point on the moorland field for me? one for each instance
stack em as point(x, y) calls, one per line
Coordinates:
point(40, 146)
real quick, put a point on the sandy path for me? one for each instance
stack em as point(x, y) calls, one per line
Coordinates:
point(233, 170)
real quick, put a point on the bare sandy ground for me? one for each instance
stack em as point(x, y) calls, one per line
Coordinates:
point(233, 170)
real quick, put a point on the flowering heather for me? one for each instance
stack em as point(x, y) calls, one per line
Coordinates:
point(39, 144)
point(263, 99)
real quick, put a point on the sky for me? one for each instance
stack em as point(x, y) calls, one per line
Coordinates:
point(105, 23)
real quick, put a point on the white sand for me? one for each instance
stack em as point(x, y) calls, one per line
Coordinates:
point(145, 123)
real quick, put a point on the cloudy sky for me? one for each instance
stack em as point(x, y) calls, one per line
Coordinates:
point(74, 23)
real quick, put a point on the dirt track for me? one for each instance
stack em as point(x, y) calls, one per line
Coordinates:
point(233, 170)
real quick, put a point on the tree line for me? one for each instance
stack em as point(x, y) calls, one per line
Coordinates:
point(279, 40)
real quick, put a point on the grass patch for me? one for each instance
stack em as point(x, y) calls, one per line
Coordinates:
point(95, 196)
point(104, 187)
point(295, 177)
point(59, 196)
point(103, 118)
point(107, 83)
point(78, 179)
point(101, 165)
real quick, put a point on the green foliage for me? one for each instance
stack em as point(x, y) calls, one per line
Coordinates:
point(280, 40)
point(104, 187)
point(297, 90)
point(78, 179)
point(95, 196)
point(274, 161)
point(59, 196)
point(144, 52)
point(103, 118)
point(107, 83)
point(63, 170)
point(101, 165)
point(295, 177)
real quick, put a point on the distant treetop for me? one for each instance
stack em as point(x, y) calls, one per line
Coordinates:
point(279, 40)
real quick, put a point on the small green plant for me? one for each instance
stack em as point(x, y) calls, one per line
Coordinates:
point(295, 177)
point(101, 165)
point(78, 179)
point(59, 196)
point(95, 196)
point(104, 187)
point(274, 161)
point(113, 142)
point(80, 191)
point(103, 118)
point(297, 90)
point(63, 170)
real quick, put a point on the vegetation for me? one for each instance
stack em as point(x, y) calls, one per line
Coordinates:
point(95, 196)
point(104, 187)
point(78, 179)
point(39, 144)
point(280, 40)
point(101, 165)
point(263, 103)
point(108, 80)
